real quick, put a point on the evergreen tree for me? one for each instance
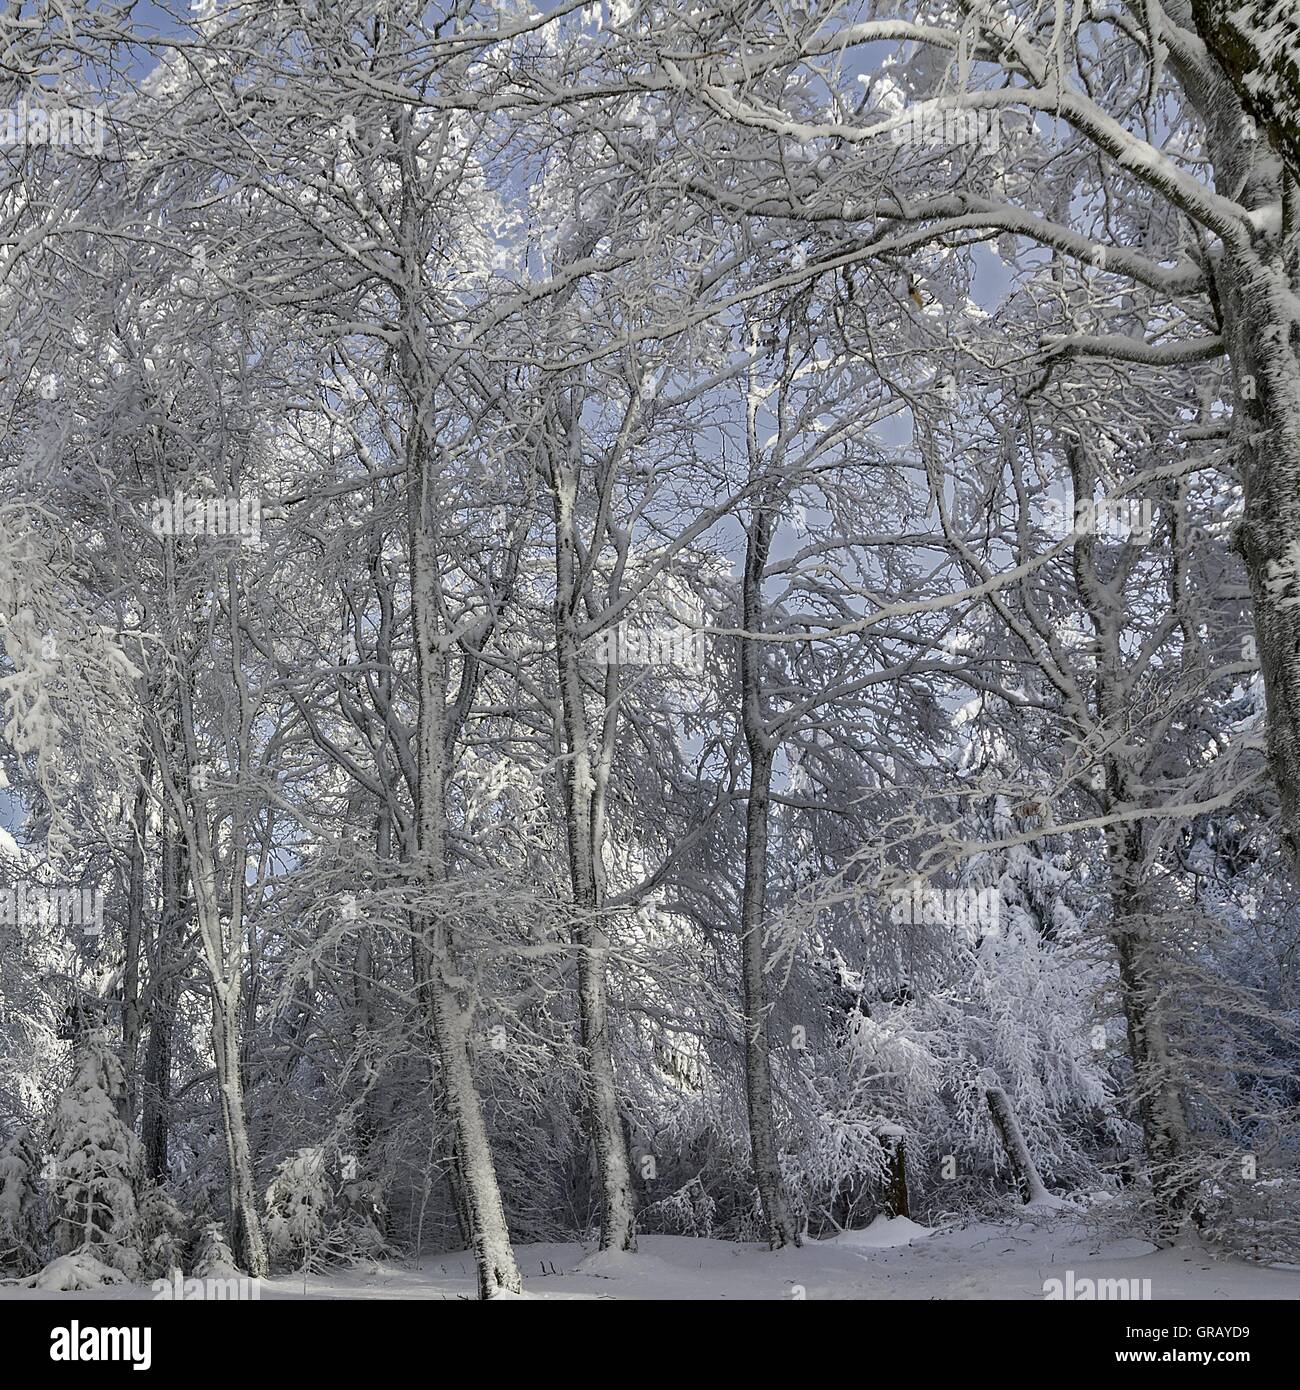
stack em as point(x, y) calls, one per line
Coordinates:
point(21, 1207)
point(98, 1164)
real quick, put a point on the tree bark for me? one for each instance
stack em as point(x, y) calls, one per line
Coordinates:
point(1264, 341)
point(449, 1016)
point(753, 908)
point(1013, 1144)
point(1253, 280)
point(1258, 47)
point(246, 1239)
point(1159, 1097)
point(134, 935)
point(896, 1199)
point(222, 940)
point(165, 986)
point(617, 1208)
point(449, 1020)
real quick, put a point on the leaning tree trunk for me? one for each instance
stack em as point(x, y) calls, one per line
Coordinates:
point(449, 1015)
point(1021, 1160)
point(753, 907)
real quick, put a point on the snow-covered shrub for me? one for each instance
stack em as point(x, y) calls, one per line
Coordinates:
point(1026, 1022)
point(21, 1208)
point(212, 1257)
point(358, 1230)
point(867, 1078)
point(98, 1164)
point(71, 1273)
point(689, 1211)
point(308, 1221)
point(1256, 1219)
point(162, 1232)
point(296, 1206)
point(1017, 1014)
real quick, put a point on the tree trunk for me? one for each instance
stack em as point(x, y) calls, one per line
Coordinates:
point(221, 939)
point(165, 988)
point(221, 951)
point(896, 1201)
point(246, 1240)
point(753, 907)
point(758, 1060)
point(134, 934)
point(449, 1020)
point(1159, 1098)
point(617, 1209)
point(1258, 47)
point(1013, 1144)
point(1264, 340)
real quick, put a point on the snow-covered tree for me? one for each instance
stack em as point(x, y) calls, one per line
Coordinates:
point(97, 1164)
point(162, 1232)
point(296, 1206)
point(22, 1208)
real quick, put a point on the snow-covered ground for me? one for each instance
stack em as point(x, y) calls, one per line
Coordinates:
point(889, 1260)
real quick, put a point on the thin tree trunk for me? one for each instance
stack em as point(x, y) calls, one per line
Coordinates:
point(221, 950)
point(753, 908)
point(617, 1221)
point(497, 1270)
point(165, 984)
point(1159, 1098)
point(1022, 1162)
point(222, 942)
point(448, 1016)
point(134, 934)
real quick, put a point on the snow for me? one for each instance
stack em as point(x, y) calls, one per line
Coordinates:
point(1006, 1260)
point(884, 1233)
point(78, 1271)
point(1047, 743)
point(607, 1264)
point(1044, 1201)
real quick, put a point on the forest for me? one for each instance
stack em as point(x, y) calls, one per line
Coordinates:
point(650, 642)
